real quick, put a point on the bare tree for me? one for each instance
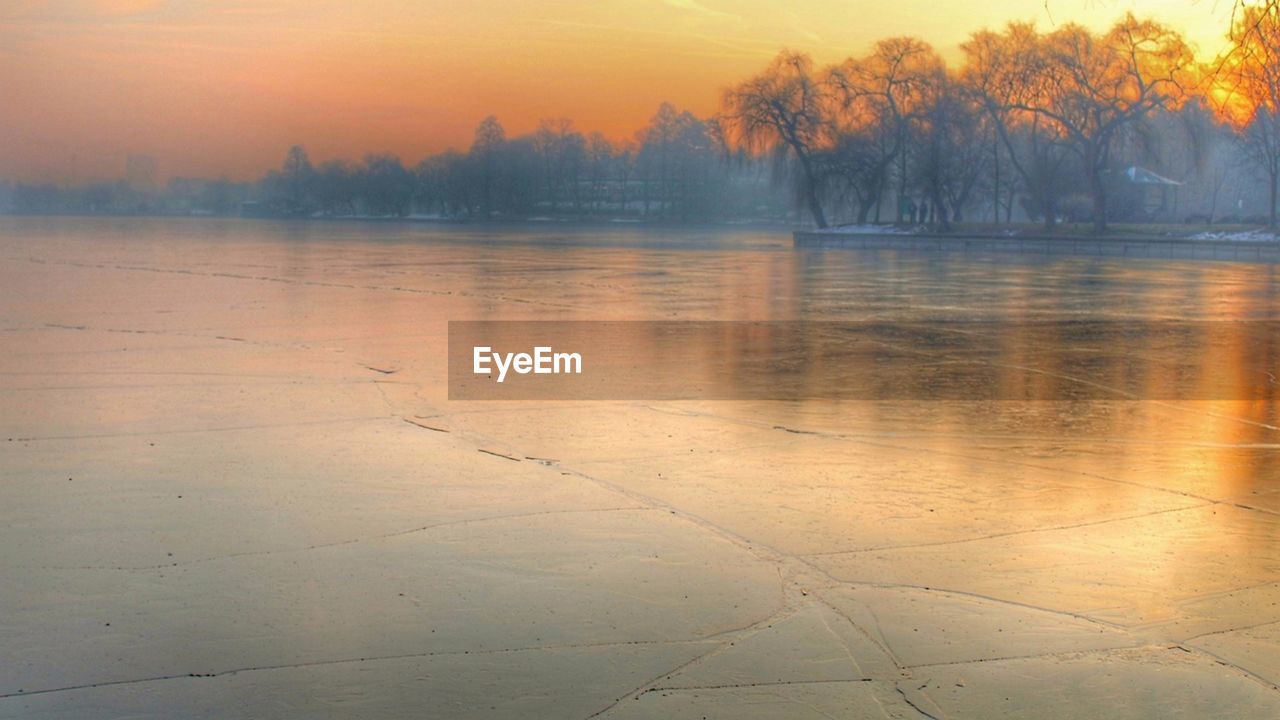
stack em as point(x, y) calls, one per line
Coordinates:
point(388, 186)
point(781, 110)
point(677, 153)
point(624, 164)
point(1004, 71)
point(950, 155)
point(1250, 75)
point(486, 155)
point(657, 156)
point(1101, 86)
point(563, 153)
point(298, 176)
point(599, 165)
point(1087, 88)
point(336, 188)
point(875, 101)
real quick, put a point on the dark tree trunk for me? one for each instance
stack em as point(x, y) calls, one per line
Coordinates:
point(938, 211)
point(1274, 177)
point(1099, 193)
point(811, 190)
point(995, 164)
point(1097, 189)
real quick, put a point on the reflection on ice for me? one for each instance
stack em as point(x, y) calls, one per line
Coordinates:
point(234, 484)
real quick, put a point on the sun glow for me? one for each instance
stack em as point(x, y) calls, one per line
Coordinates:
point(221, 88)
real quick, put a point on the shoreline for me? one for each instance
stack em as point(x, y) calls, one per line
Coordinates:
point(1156, 247)
point(1119, 243)
point(549, 222)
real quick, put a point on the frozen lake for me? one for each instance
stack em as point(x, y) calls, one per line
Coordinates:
point(233, 486)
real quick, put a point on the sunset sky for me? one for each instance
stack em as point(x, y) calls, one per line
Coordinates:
point(222, 87)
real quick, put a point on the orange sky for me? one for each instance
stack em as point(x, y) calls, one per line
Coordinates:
point(211, 87)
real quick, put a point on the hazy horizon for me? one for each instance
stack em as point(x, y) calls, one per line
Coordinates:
point(221, 89)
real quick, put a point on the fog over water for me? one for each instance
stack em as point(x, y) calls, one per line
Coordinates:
point(233, 486)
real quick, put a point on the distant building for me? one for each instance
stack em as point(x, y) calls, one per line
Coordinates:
point(1152, 196)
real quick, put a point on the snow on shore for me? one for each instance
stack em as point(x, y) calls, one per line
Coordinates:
point(867, 230)
point(1241, 236)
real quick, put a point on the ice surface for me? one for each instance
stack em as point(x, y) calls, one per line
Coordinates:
point(233, 487)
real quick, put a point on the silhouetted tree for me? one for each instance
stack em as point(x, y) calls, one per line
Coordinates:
point(876, 101)
point(782, 110)
point(562, 150)
point(1250, 76)
point(487, 155)
point(387, 186)
point(297, 176)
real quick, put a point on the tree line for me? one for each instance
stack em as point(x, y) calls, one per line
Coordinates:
point(1058, 120)
point(1064, 125)
point(676, 168)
